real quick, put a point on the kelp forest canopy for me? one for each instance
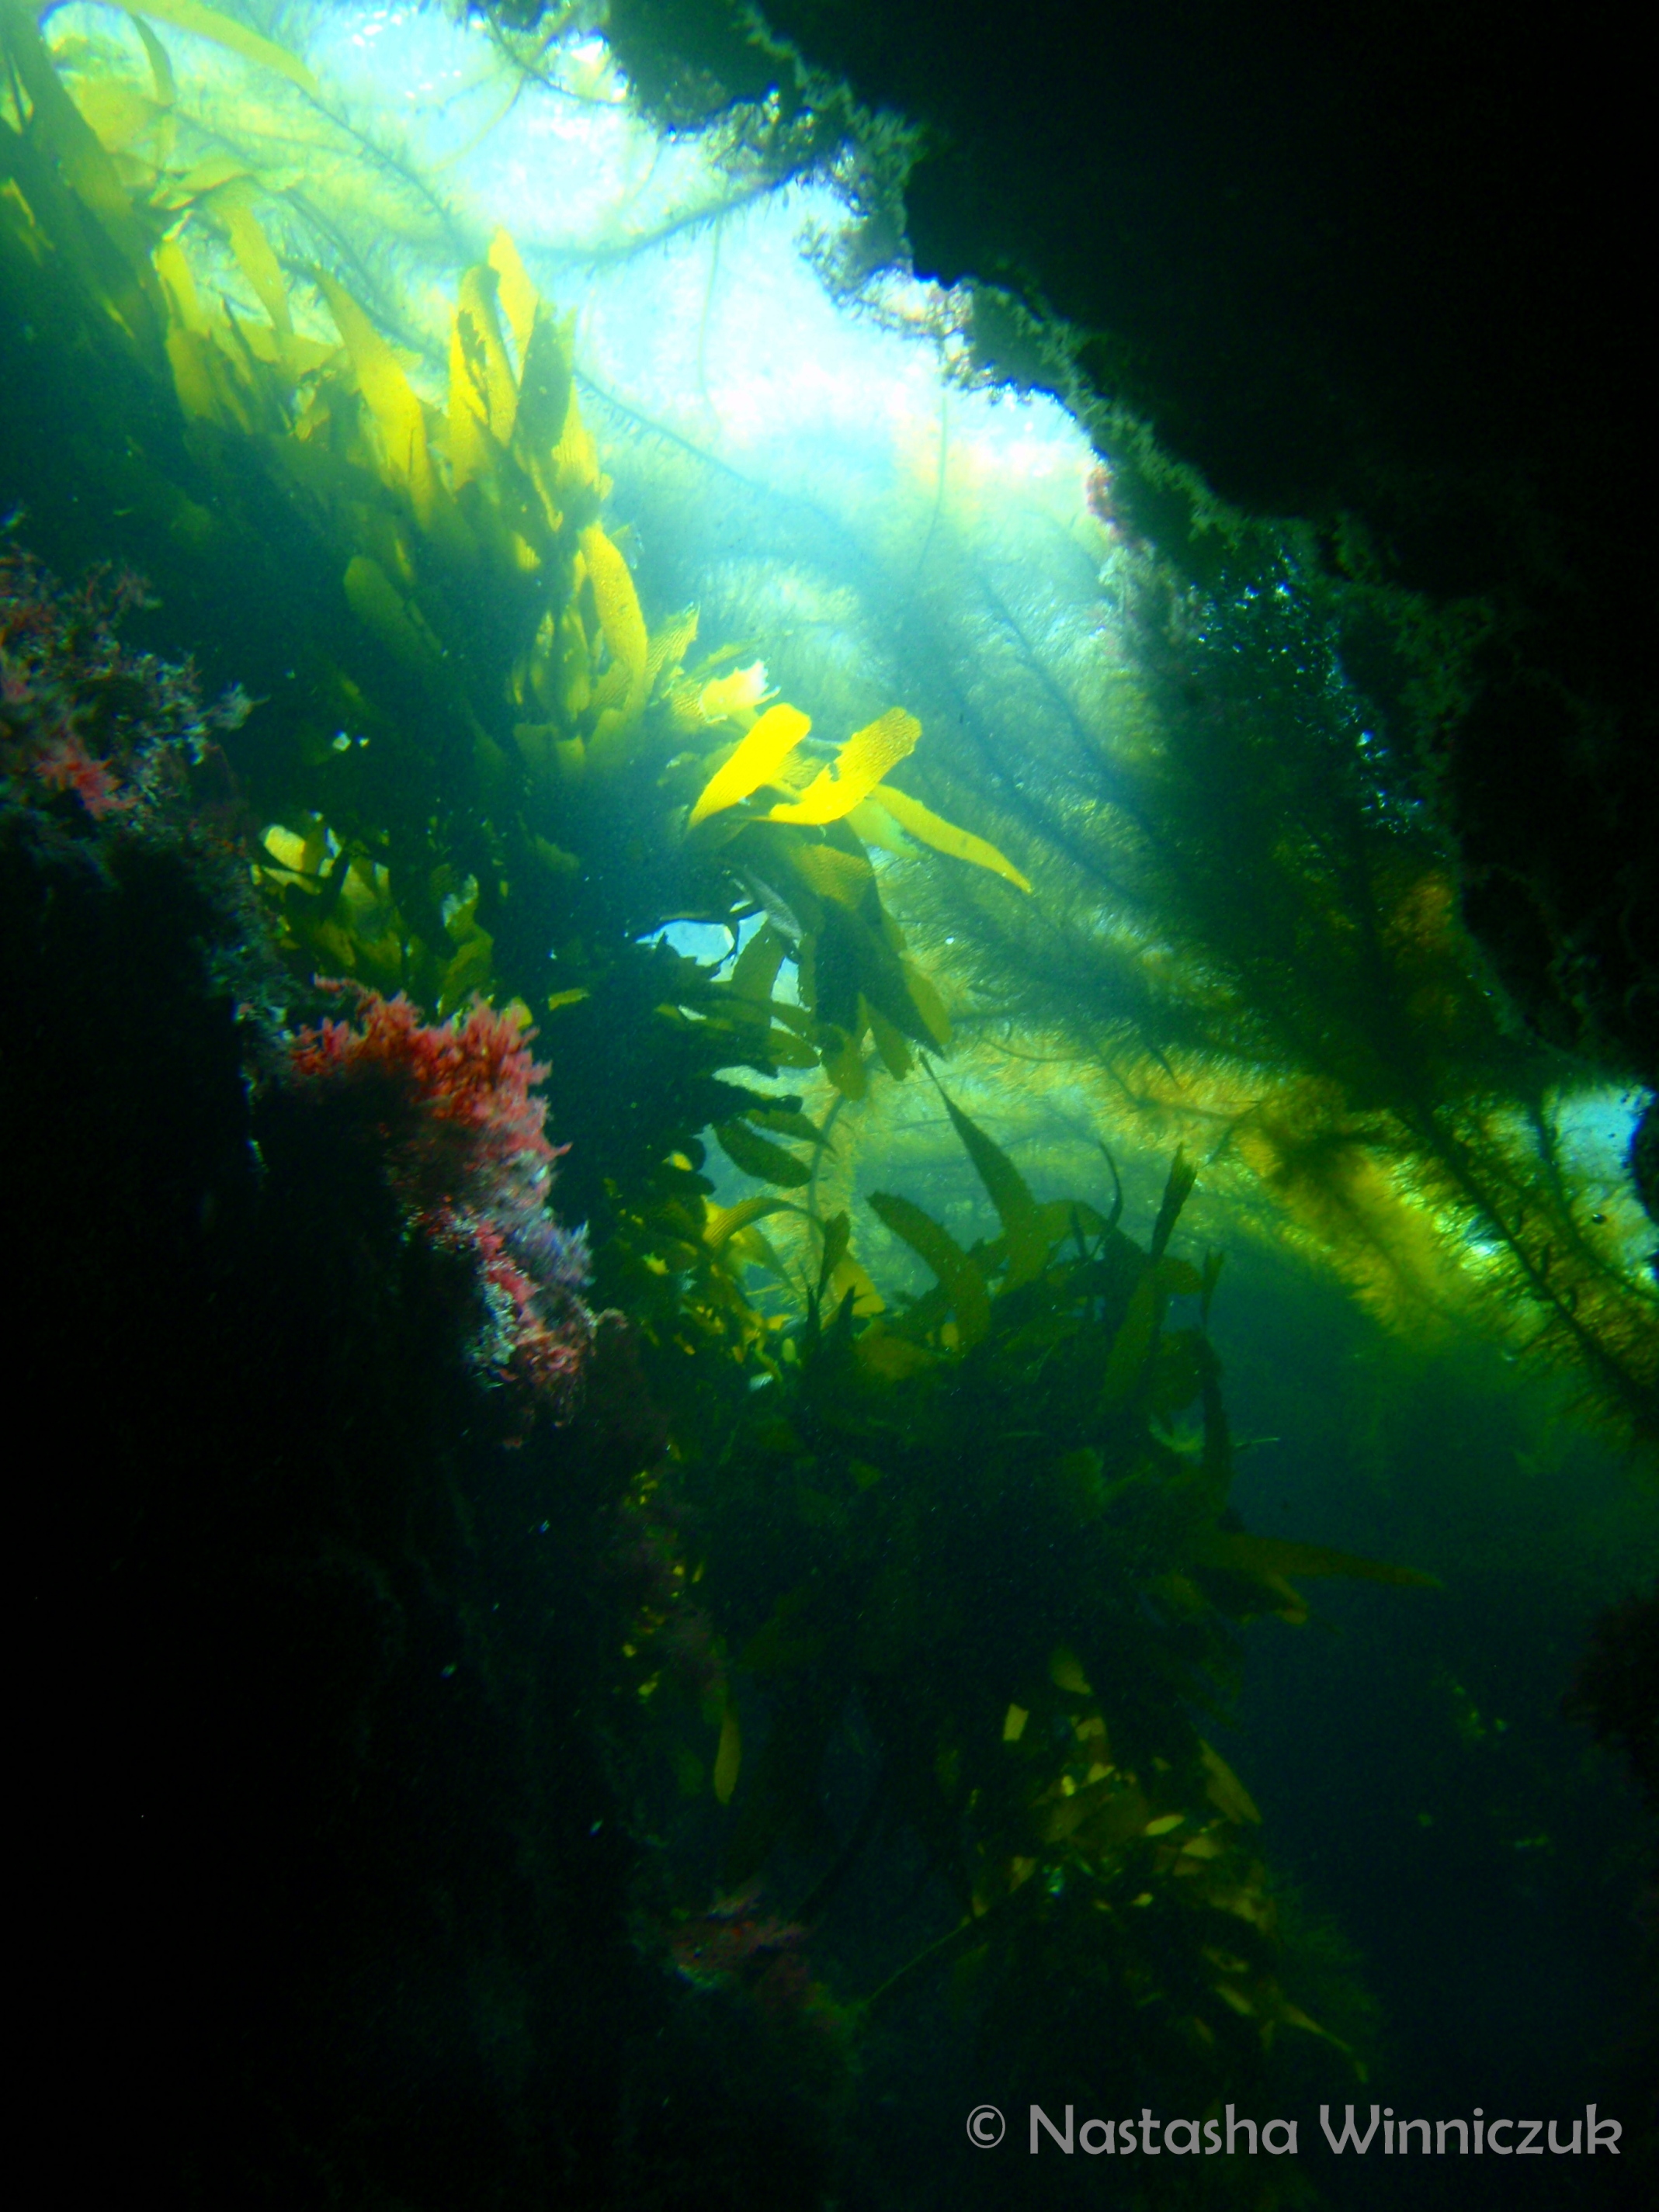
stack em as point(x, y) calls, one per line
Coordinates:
point(963, 881)
point(511, 531)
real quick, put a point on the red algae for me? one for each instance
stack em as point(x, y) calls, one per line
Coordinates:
point(455, 1107)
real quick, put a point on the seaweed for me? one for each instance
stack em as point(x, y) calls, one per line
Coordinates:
point(968, 1542)
point(475, 770)
point(1246, 937)
point(932, 1604)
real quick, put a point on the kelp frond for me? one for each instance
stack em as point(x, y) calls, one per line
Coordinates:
point(1245, 925)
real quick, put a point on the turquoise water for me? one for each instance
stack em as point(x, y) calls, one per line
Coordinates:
point(1032, 1554)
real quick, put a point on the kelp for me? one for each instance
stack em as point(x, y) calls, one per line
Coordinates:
point(478, 771)
point(973, 1534)
point(977, 1519)
point(1246, 923)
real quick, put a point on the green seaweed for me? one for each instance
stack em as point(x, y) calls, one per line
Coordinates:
point(476, 769)
point(992, 1522)
point(976, 1522)
point(1245, 937)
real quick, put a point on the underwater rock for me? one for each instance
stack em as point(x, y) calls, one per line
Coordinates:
point(324, 1841)
point(452, 1109)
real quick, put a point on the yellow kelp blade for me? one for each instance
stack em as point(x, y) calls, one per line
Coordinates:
point(257, 263)
point(930, 829)
point(202, 181)
point(669, 646)
point(489, 372)
point(889, 1040)
point(741, 692)
point(1137, 1330)
point(1126, 1360)
point(377, 602)
point(299, 855)
point(751, 1248)
point(759, 1157)
point(519, 296)
point(618, 608)
point(224, 31)
point(856, 770)
point(756, 761)
point(1293, 2016)
point(1184, 1174)
point(201, 373)
point(958, 1271)
point(935, 1015)
point(547, 411)
point(843, 876)
point(894, 1358)
point(837, 1233)
point(756, 969)
point(843, 1062)
point(575, 456)
point(470, 454)
point(872, 824)
point(722, 1223)
point(390, 396)
point(1022, 1220)
point(787, 1122)
point(118, 113)
point(89, 171)
point(1223, 1789)
point(850, 1275)
point(179, 287)
point(160, 68)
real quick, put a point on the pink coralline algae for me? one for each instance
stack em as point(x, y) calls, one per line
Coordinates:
point(65, 764)
point(79, 713)
point(735, 1944)
point(754, 1957)
point(453, 1105)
